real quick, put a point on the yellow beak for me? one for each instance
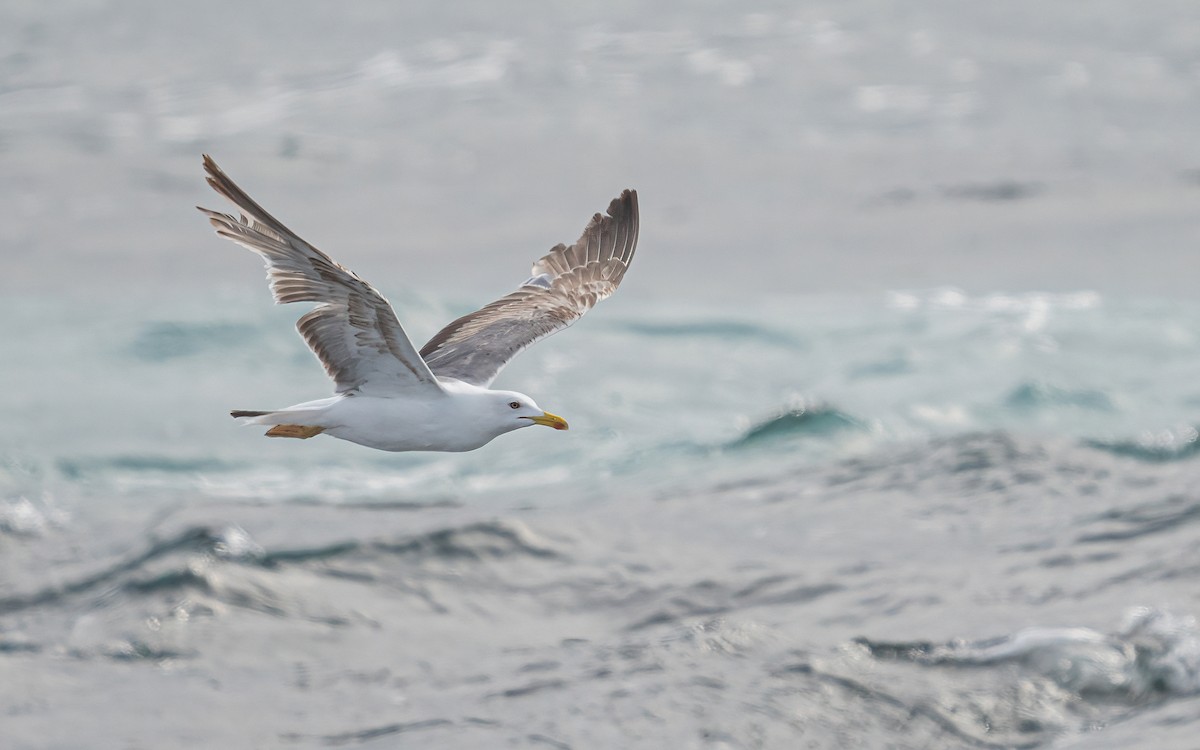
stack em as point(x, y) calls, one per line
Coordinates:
point(549, 420)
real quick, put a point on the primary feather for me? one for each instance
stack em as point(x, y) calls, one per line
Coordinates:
point(353, 330)
point(566, 283)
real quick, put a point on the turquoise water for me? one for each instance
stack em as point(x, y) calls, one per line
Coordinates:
point(651, 393)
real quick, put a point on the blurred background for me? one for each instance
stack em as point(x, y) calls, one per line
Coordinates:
point(888, 439)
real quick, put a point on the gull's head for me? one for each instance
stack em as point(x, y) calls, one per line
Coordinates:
point(516, 410)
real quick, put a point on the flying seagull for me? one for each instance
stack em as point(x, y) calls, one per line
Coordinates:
point(390, 396)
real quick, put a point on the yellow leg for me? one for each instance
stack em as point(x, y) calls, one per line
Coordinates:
point(294, 431)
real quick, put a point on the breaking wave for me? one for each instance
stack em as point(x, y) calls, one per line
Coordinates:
point(802, 421)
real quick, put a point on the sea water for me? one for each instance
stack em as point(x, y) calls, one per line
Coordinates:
point(888, 440)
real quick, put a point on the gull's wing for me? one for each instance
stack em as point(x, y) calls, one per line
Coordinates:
point(566, 283)
point(352, 330)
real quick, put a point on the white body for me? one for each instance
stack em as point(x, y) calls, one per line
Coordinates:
point(462, 418)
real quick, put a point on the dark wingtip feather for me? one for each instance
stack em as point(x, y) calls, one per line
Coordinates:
point(236, 413)
point(625, 204)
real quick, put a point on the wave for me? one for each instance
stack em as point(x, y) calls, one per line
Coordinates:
point(1154, 652)
point(1034, 395)
point(190, 540)
point(365, 735)
point(1155, 517)
point(475, 541)
point(77, 468)
point(169, 566)
point(881, 700)
point(708, 598)
point(1161, 447)
point(802, 421)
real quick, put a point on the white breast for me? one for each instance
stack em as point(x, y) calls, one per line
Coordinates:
point(458, 421)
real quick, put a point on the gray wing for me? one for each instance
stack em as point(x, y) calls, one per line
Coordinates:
point(566, 283)
point(352, 330)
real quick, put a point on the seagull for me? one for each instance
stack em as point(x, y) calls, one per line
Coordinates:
point(387, 394)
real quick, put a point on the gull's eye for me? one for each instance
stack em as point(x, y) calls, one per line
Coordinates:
point(514, 404)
